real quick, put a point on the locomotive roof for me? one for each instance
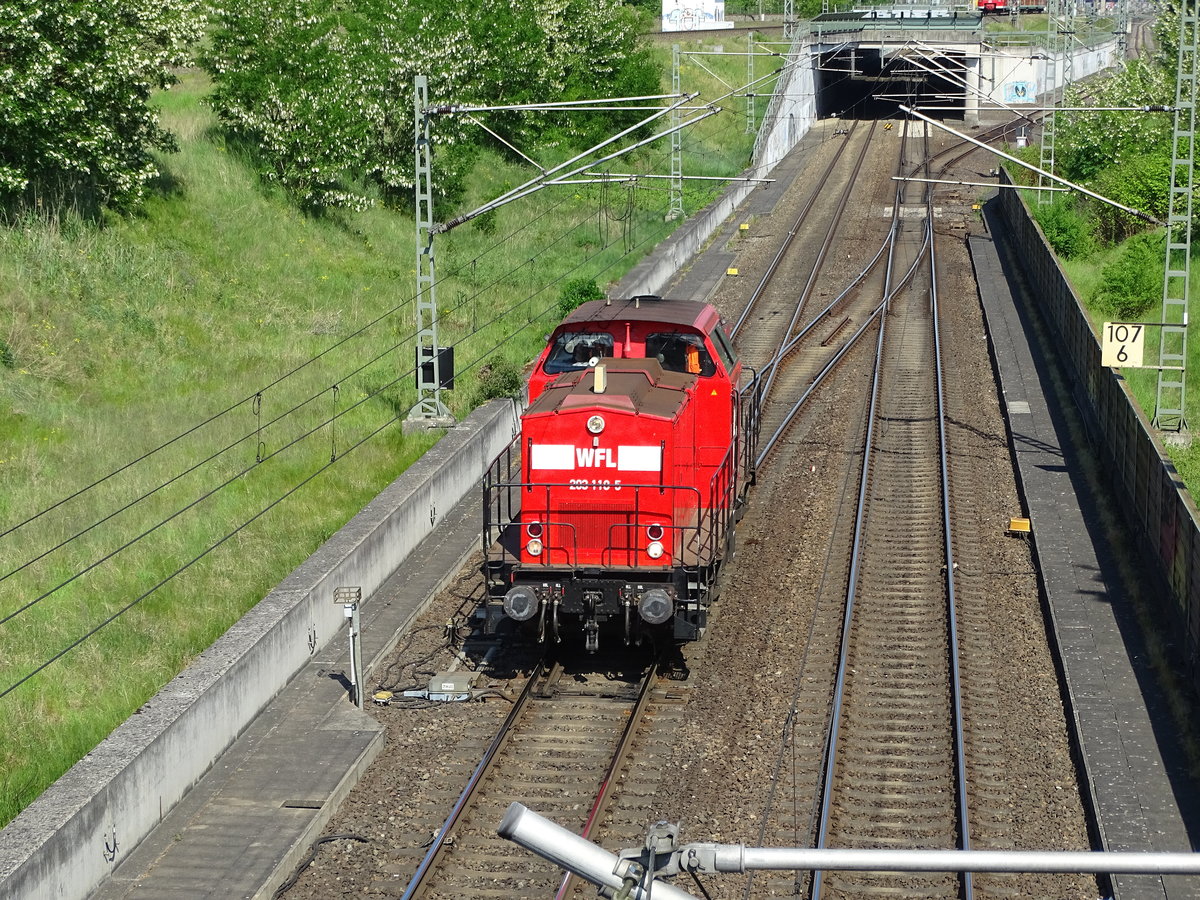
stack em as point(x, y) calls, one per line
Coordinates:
point(639, 386)
point(691, 313)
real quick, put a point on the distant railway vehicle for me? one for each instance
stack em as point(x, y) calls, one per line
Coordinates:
point(614, 508)
point(1007, 6)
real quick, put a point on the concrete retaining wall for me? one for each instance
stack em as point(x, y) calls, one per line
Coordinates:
point(1159, 510)
point(1025, 68)
point(61, 845)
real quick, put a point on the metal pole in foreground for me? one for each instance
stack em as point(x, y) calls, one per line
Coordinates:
point(711, 858)
point(556, 844)
point(563, 848)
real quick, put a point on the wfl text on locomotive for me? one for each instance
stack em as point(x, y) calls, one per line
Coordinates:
point(611, 512)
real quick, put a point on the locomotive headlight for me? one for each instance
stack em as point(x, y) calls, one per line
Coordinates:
point(654, 550)
point(655, 532)
point(534, 529)
point(655, 606)
point(534, 547)
point(595, 424)
point(520, 603)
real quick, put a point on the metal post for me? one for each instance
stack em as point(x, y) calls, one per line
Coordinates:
point(675, 195)
point(429, 409)
point(1122, 31)
point(350, 597)
point(1171, 396)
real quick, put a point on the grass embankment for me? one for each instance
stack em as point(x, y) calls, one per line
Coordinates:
point(224, 316)
point(1084, 274)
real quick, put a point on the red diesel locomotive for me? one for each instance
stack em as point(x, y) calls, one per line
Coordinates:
point(614, 507)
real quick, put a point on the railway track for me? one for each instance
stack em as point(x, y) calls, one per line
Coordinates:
point(562, 745)
point(891, 778)
point(891, 763)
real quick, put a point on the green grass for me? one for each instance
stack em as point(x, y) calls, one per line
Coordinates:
point(191, 317)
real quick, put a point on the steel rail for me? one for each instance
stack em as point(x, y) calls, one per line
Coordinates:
point(960, 763)
point(832, 364)
point(855, 564)
point(600, 805)
point(417, 885)
point(760, 289)
point(821, 254)
point(769, 370)
point(848, 615)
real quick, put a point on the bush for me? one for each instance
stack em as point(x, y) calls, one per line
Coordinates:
point(1133, 282)
point(1141, 182)
point(1068, 232)
point(75, 86)
point(499, 378)
point(575, 293)
point(325, 90)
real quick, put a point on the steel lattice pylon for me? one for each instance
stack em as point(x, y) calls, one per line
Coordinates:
point(751, 124)
point(1122, 31)
point(675, 207)
point(429, 406)
point(1169, 402)
point(1054, 43)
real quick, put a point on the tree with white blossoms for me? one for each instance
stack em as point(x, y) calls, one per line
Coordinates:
point(76, 76)
point(1091, 141)
point(320, 91)
point(1120, 153)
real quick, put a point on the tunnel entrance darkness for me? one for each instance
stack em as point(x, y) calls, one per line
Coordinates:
point(868, 82)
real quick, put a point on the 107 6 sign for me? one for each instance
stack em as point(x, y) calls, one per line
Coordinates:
point(1122, 345)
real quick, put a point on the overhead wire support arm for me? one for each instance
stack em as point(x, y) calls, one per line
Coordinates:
point(563, 170)
point(568, 105)
point(1146, 217)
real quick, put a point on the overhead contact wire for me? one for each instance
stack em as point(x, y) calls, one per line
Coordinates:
point(258, 515)
point(215, 416)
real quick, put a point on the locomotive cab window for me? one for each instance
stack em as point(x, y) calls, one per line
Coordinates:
point(681, 353)
point(724, 348)
point(574, 350)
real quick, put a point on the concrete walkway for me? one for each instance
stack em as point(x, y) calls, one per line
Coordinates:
point(251, 818)
point(1135, 769)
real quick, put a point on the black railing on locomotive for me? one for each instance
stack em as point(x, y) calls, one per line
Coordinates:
point(505, 533)
point(504, 499)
